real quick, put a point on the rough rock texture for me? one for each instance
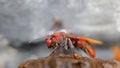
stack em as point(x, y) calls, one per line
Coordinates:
point(67, 61)
point(69, 58)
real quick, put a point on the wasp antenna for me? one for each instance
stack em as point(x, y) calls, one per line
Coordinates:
point(117, 52)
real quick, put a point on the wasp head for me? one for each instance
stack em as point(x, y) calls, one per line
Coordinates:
point(49, 41)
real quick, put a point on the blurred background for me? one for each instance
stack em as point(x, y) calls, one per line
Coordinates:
point(24, 25)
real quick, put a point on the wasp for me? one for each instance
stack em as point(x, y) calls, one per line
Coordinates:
point(79, 42)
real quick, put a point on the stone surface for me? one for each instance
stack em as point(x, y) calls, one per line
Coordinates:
point(69, 62)
point(69, 58)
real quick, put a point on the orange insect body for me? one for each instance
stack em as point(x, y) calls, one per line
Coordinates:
point(78, 41)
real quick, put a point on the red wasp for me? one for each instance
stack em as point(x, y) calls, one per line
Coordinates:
point(78, 41)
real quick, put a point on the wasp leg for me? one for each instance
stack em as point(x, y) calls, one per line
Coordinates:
point(54, 50)
point(88, 48)
point(73, 50)
point(70, 44)
point(65, 44)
